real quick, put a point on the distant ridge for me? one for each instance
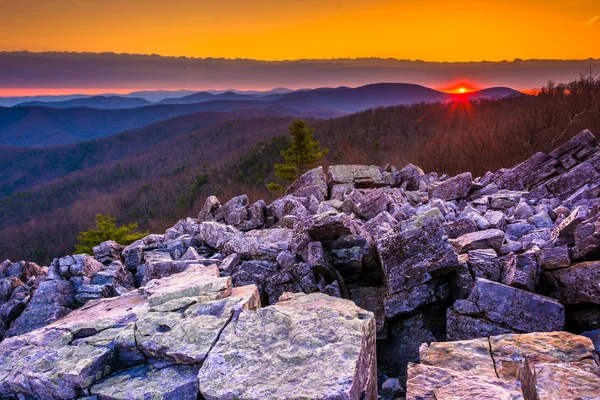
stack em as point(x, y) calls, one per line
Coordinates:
point(101, 102)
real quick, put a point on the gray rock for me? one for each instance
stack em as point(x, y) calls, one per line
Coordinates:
point(554, 257)
point(362, 176)
point(328, 226)
point(503, 307)
point(294, 336)
point(311, 183)
point(521, 271)
point(576, 284)
point(407, 262)
point(144, 382)
point(210, 206)
point(488, 239)
point(457, 187)
point(234, 211)
point(107, 252)
point(215, 234)
point(484, 263)
point(263, 244)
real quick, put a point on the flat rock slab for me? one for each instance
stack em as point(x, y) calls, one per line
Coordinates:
point(498, 366)
point(579, 283)
point(426, 382)
point(304, 347)
point(500, 306)
point(168, 327)
point(177, 382)
point(488, 239)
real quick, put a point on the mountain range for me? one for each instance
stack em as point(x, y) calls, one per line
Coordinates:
point(44, 123)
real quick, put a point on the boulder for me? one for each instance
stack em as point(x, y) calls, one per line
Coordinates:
point(489, 367)
point(210, 206)
point(144, 382)
point(488, 239)
point(554, 257)
point(457, 187)
point(579, 283)
point(263, 244)
point(494, 308)
point(107, 252)
point(234, 211)
point(311, 183)
point(362, 176)
point(328, 226)
point(215, 234)
point(407, 262)
point(294, 336)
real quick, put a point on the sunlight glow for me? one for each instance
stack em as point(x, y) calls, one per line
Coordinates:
point(462, 90)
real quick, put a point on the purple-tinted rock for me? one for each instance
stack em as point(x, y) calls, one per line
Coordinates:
point(457, 187)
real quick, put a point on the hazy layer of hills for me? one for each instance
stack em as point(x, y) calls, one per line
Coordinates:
point(47, 123)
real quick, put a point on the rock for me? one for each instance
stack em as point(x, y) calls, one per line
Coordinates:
point(51, 301)
point(418, 296)
point(521, 271)
point(510, 351)
point(576, 284)
point(485, 264)
point(328, 226)
point(566, 228)
point(362, 176)
point(391, 389)
point(371, 299)
point(51, 370)
point(457, 187)
point(366, 203)
point(174, 320)
point(432, 383)
point(229, 263)
point(210, 206)
point(234, 211)
point(496, 219)
point(547, 381)
point(263, 244)
point(215, 234)
point(294, 336)
point(311, 183)
point(141, 382)
point(587, 239)
point(287, 206)
point(488, 239)
point(488, 367)
point(499, 309)
point(402, 343)
point(107, 252)
point(255, 217)
point(407, 262)
point(381, 225)
point(409, 176)
point(554, 257)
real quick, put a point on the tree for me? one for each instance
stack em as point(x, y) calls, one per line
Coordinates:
point(106, 229)
point(301, 155)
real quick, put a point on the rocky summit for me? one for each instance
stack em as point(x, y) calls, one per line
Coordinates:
point(358, 283)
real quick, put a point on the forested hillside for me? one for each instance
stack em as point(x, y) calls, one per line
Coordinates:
point(140, 178)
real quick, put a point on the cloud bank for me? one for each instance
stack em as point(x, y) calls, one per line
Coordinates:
point(108, 70)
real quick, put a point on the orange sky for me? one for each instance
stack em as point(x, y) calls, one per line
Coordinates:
point(433, 30)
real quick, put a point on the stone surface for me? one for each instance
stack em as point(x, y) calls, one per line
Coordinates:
point(579, 283)
point(488, 239)
point(502, 367)
point(494, 308)
point(457, 187)
point(296, 336)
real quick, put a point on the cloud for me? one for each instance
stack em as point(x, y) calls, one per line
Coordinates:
point(591, 21)
point(88, 70)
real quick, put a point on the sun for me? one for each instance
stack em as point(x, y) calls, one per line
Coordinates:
point(462, 90)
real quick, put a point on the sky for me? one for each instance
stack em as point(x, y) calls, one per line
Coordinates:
point(432, 30)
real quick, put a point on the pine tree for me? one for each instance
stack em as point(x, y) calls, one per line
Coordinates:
point(106, 229)
point(303, 153)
